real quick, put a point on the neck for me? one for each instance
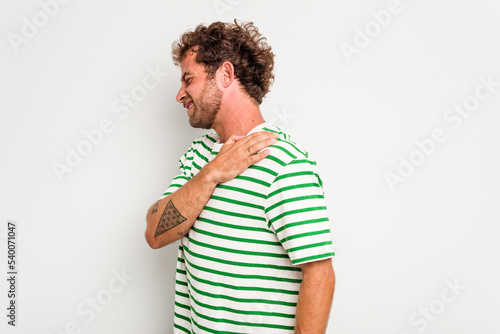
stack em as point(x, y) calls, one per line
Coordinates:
point(237, 118)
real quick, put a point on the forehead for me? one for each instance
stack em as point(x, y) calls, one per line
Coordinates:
point(190, 66)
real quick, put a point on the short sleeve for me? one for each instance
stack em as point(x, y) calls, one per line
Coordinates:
point(184, 175)
point(296, 212)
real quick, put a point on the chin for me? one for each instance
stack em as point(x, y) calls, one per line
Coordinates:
point(199, 125)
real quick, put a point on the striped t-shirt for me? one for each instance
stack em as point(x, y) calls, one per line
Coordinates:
point(237, 268)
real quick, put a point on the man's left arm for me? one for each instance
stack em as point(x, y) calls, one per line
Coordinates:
point(296, 211)
point(315, 297)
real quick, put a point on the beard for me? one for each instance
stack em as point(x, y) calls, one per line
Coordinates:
point(206, 106)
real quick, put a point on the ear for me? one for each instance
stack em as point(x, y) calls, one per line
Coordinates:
point(227, 74)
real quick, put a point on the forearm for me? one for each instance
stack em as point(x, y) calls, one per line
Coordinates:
point(315, 298)
point(171, 217)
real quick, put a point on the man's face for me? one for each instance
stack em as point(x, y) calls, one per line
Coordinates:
point(199, 94)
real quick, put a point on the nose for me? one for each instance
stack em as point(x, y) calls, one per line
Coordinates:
point(181, 95)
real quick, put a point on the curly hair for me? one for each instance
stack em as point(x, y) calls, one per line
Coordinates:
point(240, 44)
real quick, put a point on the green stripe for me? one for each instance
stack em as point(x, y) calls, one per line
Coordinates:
point(284, 176)
point(252, 179)
point(201, 156)
point(182, 294)
point(294, 145)
point(296, 186)
point(182, 306)
point(233, 201)
point(242, 288)
point(202, 144)
point(240, 323)
point(183, 317)
point(242, 300)
point(318, 244)
point(292, 212)
point(287, 140)
point(182, 328)
point(302, 222)
point(271, 130)
point(315, 257)
point(259, 277)
point(232, 310)
point(273, 158)
point(234, 214)
point(196, 166)
point(263, 169)
point(279, 147)
point(210, 138)
point(237, 251)
point(241, 190)
point(294, 199)
point(307, 234)
point(240, 264)
point(252, 241)
point(210, 330)
point(237, 227)
point(302, 161)
point(180, 282)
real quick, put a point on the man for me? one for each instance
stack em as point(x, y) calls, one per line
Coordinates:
point(255, 250)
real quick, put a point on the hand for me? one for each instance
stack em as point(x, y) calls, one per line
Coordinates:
point(238, 153)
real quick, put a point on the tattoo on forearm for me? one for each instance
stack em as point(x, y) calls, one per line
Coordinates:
point(183, 233)
point(170, 218)
point(155, 207)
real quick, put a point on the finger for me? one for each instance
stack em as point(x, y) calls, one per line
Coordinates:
point(233, 139)
point(252, 159)
point(257, 136)
point(257, 146)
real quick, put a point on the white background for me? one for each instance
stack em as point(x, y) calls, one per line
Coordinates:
point(398, 249)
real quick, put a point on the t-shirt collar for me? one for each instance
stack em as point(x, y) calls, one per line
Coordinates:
point(217, 145)
point(258, 128)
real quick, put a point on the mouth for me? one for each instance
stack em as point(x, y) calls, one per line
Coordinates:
point(188, 104)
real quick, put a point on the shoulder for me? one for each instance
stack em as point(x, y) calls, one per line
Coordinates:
point(202, 144)
point(287, 150)
point(200, 148)
point(206, 141)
